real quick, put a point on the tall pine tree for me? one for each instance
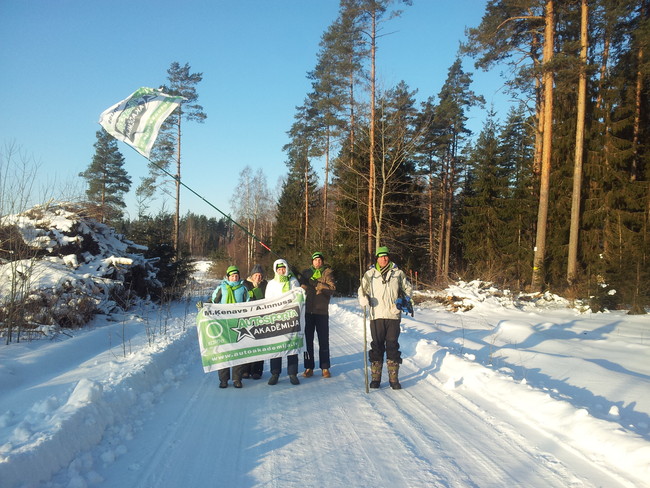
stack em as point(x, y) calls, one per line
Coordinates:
point(167, 149)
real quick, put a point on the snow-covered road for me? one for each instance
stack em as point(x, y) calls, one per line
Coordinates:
point(329, 432)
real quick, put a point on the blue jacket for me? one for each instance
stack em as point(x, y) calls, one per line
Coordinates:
point(220, 293)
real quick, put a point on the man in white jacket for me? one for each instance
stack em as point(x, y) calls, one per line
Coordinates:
point(380, 287)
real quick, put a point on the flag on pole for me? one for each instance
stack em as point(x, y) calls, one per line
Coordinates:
point(136, 120)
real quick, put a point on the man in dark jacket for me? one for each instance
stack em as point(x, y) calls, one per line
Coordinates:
point(318, 283)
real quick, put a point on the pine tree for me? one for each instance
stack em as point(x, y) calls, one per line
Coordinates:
point(330, 79)
point(371, 14)
point(517, 141)
point(482, 227)
point(294, 231)
point(107, 179)
point(508, 32)
point(167, 149)
point(428, 167)
point(449, 118)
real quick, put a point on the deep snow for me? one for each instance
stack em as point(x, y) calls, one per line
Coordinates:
point(506, 394)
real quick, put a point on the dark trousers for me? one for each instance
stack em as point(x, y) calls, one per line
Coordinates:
point(385, 336)
point(292, 365)
point(224, 374)
point(320, 325)
point(253, 368)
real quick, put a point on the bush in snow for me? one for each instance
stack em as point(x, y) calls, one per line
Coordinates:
point(60, 267)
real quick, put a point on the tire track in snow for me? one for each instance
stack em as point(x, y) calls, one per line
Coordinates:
point(329, 432)
point(471, 448)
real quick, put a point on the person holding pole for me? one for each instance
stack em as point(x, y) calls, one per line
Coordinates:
point(380, 288)
point(282, 282)
point(231, 290)
point(318, 283)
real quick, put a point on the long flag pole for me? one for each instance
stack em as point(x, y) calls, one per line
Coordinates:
point(218, 210)
point(137, 119)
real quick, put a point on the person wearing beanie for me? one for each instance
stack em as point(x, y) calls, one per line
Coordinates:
point(318, 283)
point(282, 282)
point(380, 287)
point(256, 285)
point(230, 290)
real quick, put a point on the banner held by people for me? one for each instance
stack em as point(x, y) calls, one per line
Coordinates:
point(136, 120)
point(239, 333)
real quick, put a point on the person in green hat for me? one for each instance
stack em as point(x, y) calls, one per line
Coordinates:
point(318, 283)
point(231, 290)
point(380, 287)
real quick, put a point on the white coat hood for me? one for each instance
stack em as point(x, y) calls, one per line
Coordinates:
point(278, 261)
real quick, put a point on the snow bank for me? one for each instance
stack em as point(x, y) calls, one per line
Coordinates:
point(54, 431)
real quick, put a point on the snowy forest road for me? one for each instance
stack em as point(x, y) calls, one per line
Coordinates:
point(329, 432)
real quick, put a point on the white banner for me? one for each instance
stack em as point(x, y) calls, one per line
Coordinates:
point(239, 333)
point(136, 120)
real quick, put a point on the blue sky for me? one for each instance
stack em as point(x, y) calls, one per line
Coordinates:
point(66, 61)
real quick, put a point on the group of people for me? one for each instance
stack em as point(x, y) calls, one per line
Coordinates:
point(319, 285)
point(381, 287)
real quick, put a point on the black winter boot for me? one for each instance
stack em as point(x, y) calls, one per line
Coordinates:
point(375, 370)
point(393, 373)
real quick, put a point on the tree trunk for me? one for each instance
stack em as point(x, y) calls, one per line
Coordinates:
point(371, 156)
point(572, 265)
point(638, 102)
point(326, 183)
point(177, 218)
point(430, 218)
point(449, 197)
point(103, 210)
point(539, 112)
point(442, 224)
point(547, 134)
point(603, 68)
point(306, 199)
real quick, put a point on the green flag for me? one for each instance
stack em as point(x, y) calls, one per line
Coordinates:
point(136, 120)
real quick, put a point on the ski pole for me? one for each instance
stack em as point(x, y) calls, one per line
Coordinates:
point(365, 347)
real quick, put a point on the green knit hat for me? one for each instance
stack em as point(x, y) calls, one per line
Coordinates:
point(382, 251)
point(317, 254)
point(232, 270)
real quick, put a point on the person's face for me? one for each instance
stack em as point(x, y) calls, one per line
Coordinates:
point(233, 277)
point(257, 277)
point(317, 262)
point(382, 261)
point(281, 271)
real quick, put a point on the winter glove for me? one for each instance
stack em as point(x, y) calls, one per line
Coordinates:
point(409, 305)
point(363, 300)
point(405, 305)
point(199, 305)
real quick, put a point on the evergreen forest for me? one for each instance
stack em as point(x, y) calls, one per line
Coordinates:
point(553, 195)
